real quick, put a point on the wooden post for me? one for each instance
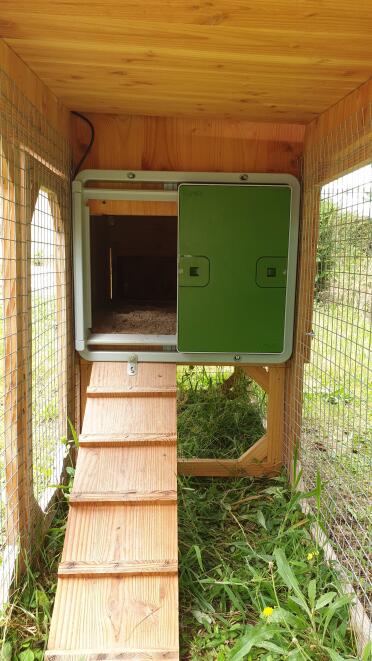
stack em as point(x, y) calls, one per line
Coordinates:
point(303, 315)
point(85, 374)
point(62, 334)
point(18, 370)
point(10, 359)
point(275, 414)
point(29, 510)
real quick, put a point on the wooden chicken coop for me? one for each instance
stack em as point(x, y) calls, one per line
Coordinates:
point(165, 169)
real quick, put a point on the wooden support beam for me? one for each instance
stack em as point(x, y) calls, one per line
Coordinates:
point(256, 454)
point(275, 414)
point(85, 376)
point(210, 467)
point(225, 468)
point(11, 284)
point(117, 568)
point(18, 205)
point(250, 463)
point(259, 374)
point(61, 309)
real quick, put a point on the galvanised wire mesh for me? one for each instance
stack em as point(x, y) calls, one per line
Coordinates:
point(36, 368)
point(329, 402)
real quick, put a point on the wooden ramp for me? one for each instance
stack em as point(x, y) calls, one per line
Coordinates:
point(117, 593)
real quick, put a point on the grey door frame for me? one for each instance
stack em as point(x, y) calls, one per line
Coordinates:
point(82, 192)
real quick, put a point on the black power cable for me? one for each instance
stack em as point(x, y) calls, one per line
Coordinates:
point(89, 147)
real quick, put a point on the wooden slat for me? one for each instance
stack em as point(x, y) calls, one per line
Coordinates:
point(120, 568)
point(120, 655)
point(142, 468)
point(149, 375)
point(85, 541)
point(115, 440)
point(139, 612)
point(134, 391)
point(126, 415)
point(122, 497)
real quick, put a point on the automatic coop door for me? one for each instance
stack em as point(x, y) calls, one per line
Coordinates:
point(236, 264)
point(233, 286)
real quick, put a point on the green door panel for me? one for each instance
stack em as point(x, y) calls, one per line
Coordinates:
point(233, 298)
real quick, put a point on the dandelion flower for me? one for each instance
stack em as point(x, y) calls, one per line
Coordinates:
point(310, 556)
point(267, 611)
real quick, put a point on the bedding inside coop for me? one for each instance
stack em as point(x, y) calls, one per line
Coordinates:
point(134, 274)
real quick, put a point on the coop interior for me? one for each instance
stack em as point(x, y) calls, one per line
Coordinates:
point(152, 510)
point(134, 275)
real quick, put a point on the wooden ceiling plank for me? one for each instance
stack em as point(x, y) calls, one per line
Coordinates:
point(305, 14)
point(263, 61)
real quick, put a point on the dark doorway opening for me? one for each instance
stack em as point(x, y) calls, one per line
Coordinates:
point(134, 274)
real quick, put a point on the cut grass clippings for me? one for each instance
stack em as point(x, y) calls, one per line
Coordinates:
point(217, 416)
point(253, 584)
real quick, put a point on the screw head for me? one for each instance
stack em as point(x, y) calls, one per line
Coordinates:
point(244, 177)
point(131, 175)
point(237, 357)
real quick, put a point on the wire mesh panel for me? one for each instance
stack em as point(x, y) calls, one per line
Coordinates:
point(329, 401)
point(35, 311)
point(48, 324)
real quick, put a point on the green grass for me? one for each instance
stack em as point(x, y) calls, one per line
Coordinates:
point(244, 545)
point(231, 536)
